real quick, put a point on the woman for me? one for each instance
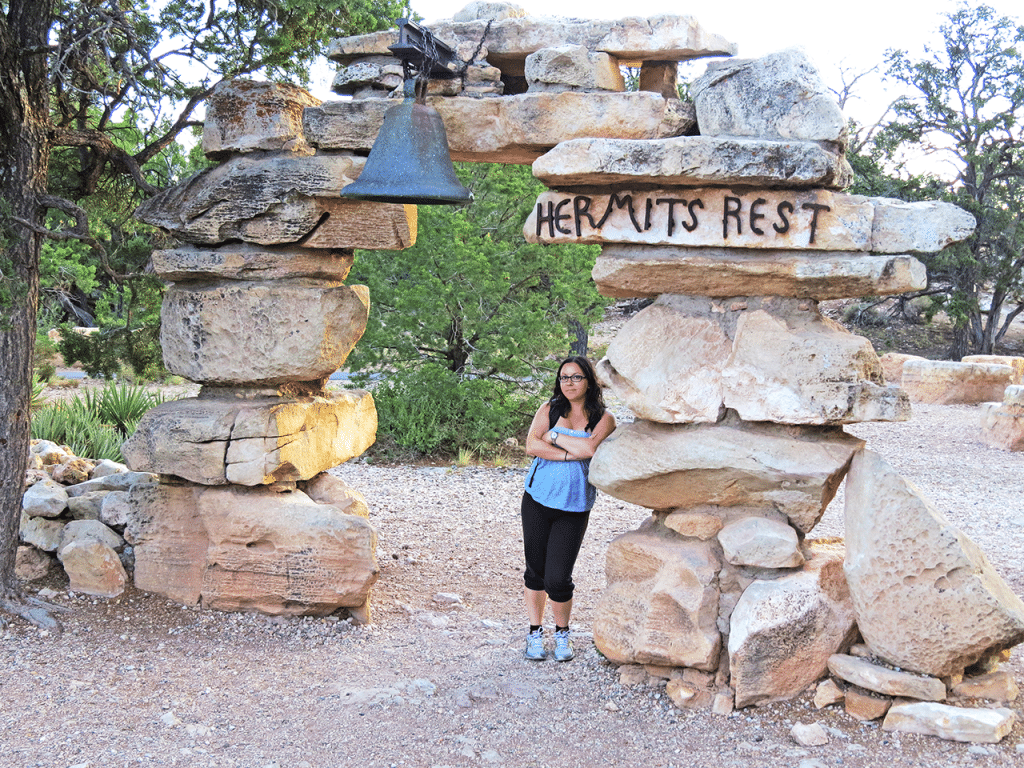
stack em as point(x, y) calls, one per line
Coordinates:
point(558, 498)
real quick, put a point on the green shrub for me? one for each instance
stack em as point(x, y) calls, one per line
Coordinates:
point(434, 411)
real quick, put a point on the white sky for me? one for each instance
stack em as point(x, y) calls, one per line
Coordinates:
point(852, 35)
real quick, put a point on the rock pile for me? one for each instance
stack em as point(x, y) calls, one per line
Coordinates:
point(259, 313)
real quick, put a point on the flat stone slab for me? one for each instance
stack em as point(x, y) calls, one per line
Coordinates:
point(756, 218)
point(242, 261)
point(688, 161)
point(946, 382)
point(510, 129)
point(510, 41)
point(794, 470)
point(647, 271)
point(984, 726)
point(216, 441)
point(886, 681)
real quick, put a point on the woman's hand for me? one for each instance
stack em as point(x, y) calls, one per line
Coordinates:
point(551, 437)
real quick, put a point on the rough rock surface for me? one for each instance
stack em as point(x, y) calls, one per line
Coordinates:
point(795, 470)
point(776, 96)
point(1002, 424)
point(783, 631)
point(572, 68)
point(241, 261)
point(249, 332)
point(892, 365)
point(760, 542)
point(47, 498)
point(986, 726)
point(644, 271)
point(890, 682)
point(927, 599)
point(661, 603)
point(93, 568)
point(1017, 363)
point(219, 440)
point(946, 382)
point(246, 116)
point(31, 563)
point(251, 549)
point(684, 359)
point(689, 161)
point(512, 129)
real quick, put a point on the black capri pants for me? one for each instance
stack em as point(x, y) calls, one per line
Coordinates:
point(551, 542)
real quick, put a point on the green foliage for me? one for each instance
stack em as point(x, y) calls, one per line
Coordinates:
point(95, 423)
point(432, 410)
point(44, 358)
point(38, 387)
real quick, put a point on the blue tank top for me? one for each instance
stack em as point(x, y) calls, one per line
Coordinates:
point(562, 484)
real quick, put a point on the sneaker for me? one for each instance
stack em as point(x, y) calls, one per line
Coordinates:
point(535, 646)
point(563, 646)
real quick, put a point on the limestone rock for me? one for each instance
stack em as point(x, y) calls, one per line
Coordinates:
point(795, 470)
point(47, 498)
point(985, 726)
point(214, 441)
point(275, 200)
point(31, 563)
point(246, 332)
point(698, 524)
point(107, 467)
point(382, 73)
point(889, 682)
point(572, 67)
point(489, 10)
point(944, 382)
point(760, 542)
point(927, 599)
point(89, 530)
point(1002, 424)
point(997, 686)
point(250, 549)
point(827, 693)
point(119, 481)
point(660, 77)
point(809, 735)
point(87, 506)
point(241, 261)
point(49, 452)
point(921, 227)
point(782, 632)
point(723, 704)
point(511, 40)
point(513, 129)
point(692, 161)
point(328, 489)
point(892, 365)
point(72, 471)
point(93, 568)
point(777, 96)
point(683, 359)
point(245, 116)
point(687, 696)
point(864, 705)
point(646, 271)
point(114, 510)
point(41, 532)
point(661, 601)
point(1016, 363)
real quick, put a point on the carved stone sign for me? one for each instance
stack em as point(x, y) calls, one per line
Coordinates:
point(715, 217)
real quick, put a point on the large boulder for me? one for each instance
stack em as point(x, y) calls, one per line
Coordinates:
point(247, 332)
point(783, 631)
point(248, 116)
point(1016, 363)
point(256, 549)
point(1002, 424)
point(687, 161)
point(684, 359)
point(572, 68)
point(777, 96)
point(647, 271)
point(93, 568)
point(795, 470)
point(927, 599)
point(216, 441)
point(944, 382)
point(661, 603)
point(892, 365)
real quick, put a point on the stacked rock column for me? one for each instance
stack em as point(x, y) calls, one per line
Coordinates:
point(740, 385)
point(259, 313)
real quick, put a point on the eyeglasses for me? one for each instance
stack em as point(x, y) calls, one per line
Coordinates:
point(576, 378)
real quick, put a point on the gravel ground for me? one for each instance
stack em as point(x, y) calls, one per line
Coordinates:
point(438, 679)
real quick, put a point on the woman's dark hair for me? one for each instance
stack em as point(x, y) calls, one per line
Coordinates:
point(593, 402)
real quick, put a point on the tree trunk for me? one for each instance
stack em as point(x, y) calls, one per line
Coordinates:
point(24, 163)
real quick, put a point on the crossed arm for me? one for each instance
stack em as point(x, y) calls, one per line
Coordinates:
point(554, 446)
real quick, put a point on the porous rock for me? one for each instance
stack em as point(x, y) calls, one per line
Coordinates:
point(247, 332)
point(783, 631)
point(661, 601)
point(684, 359)
point(239, 549)
point(795, 470)
point(926, 597)
point(215, 441)
point(245, 116)
point(985, 726)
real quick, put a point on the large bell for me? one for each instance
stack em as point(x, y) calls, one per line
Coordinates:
point(409, 161)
